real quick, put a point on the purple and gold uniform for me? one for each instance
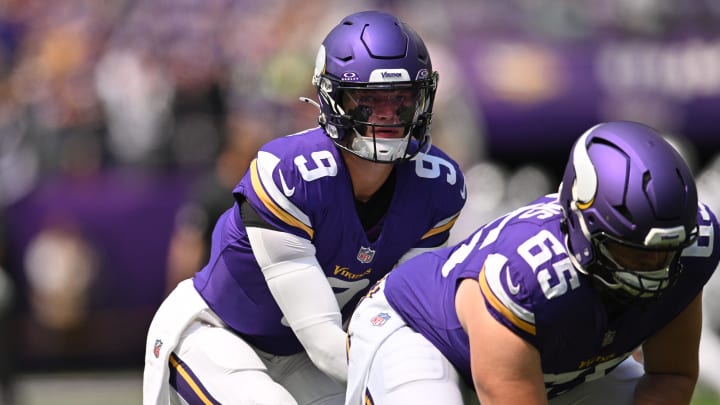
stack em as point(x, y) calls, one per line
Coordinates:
point(531, 287)
point(300, 185)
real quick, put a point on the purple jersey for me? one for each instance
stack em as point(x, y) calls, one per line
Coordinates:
point(531, 287)
point(299, 184)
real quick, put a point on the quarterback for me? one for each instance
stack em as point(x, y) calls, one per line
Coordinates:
point(319, 217)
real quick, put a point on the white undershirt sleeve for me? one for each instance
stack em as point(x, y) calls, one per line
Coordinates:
point(302, 292)
point(416, 251)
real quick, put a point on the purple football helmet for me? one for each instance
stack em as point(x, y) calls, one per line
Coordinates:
point(373, 56)
point(625, 189)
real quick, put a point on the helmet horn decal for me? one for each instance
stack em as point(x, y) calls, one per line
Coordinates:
point(586, 182)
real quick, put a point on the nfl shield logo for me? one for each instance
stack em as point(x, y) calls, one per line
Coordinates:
point(380, 319)
point(156, 348)
point(365, 255)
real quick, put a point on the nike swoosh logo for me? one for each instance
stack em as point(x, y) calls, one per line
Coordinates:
point(514, 288)
point(286, 190)
point(463, 192)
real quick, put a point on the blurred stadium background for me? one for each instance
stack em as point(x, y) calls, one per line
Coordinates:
point(123, 125)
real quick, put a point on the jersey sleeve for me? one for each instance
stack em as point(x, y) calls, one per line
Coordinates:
point(273, 187)
point(703, 255)
point(507, 297)
point(447, 195)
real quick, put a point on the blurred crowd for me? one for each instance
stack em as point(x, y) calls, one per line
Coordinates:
point(101, 97)
point(124, 126)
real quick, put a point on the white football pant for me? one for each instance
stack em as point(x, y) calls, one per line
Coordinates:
point(210, 364)
point(392, 364)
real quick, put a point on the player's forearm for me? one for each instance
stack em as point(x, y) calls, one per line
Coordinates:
point(514, 395)
point(671, 389)
point(309, 306)
point(506, 389)
point(325, 345)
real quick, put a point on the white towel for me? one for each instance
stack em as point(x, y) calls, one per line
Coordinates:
point(180, 309)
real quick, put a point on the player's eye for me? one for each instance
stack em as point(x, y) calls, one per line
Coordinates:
point(367, 99)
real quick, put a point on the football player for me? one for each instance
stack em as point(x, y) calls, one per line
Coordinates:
point(548, 302)
point(320, 216)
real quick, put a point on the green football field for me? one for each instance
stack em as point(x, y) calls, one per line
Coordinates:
point(705, 397)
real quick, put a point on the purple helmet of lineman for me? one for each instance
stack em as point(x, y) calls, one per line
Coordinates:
point(630, 205)
point(369, 62)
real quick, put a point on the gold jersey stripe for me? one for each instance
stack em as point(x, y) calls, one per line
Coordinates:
point(495, 302)
point(441, 228)
point(270, 204)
